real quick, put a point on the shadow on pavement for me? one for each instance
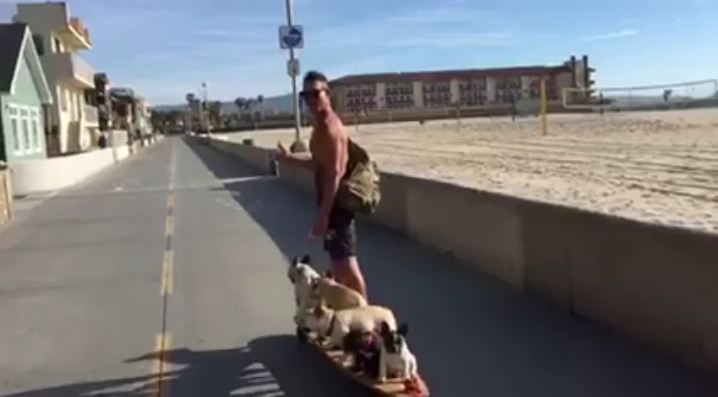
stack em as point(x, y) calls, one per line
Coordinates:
point(268, 367)
point(472, 335)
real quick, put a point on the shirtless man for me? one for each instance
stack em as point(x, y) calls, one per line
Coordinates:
point(328, 159)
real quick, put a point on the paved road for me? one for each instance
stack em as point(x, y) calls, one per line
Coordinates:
point(185, 248)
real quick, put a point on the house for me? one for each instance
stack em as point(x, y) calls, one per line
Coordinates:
point(24, 93)
point(73, 123)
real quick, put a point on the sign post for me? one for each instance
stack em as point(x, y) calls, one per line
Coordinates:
point(291, 37)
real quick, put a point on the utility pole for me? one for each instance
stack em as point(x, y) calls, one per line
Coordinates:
point(298, 144)
point(205, 108)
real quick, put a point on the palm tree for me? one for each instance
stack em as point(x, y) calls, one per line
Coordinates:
point(240, 103)
point(215, 113)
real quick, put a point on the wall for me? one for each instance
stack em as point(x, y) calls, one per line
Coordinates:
point(60, 172)
point(651, 283)
point(5, 196)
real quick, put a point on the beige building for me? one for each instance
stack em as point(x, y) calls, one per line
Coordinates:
point(73, 124)
point(437, 93)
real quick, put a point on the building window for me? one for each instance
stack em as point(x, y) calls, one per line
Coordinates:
point(61, 95)
point(472, 92)
point(361, 97)
point(36, 131)
point(15, 134)
point(39, 45)
point(58, 45)
point(26, 134)
point(399, 95)
point(437, 94)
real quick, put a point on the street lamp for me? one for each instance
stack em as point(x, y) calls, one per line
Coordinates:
point(205, 108)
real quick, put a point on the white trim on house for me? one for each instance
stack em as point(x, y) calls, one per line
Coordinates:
point(34, 65)
point(25, 127)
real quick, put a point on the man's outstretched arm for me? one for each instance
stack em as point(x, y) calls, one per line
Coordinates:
point(302, 159)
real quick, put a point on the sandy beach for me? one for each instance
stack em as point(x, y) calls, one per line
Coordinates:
point(658, 167)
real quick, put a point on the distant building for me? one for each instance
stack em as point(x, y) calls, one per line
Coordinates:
point(100, 97)
point(416, 94)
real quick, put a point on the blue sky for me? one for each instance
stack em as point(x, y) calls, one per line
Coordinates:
point(166, 48)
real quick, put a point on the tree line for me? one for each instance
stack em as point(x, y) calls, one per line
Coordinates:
point(249, 112)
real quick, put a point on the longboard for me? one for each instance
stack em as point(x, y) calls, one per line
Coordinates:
point(392, 388)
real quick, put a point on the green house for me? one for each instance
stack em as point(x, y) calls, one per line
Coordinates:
point(23, 93)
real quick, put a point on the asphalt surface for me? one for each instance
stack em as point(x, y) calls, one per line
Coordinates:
point(186, 248)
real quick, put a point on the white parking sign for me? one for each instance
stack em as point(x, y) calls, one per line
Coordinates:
point(291, 36)
point(293, 67)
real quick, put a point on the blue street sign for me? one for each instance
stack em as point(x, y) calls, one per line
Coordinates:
point(291, 37)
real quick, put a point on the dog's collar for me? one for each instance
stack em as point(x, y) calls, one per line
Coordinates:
point(331, 325)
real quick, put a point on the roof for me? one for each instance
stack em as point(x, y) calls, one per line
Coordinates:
point(11, 38)
point(16, 44)
point(448, 74)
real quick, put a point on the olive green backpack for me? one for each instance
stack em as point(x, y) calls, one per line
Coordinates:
point(359, 190)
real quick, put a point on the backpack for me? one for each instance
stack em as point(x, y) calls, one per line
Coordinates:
point(359, 190)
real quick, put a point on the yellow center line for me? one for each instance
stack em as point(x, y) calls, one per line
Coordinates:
point(167, 284)
point(163, 344)
point(163, 340)
point(169, 225)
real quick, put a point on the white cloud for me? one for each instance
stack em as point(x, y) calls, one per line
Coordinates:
point(612, 35)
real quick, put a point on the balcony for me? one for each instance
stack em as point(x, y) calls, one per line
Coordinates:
point(75, 35)
point(55, 17)
point(71, 69)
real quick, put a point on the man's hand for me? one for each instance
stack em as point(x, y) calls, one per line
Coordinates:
point(282, 151)
point(321, 226)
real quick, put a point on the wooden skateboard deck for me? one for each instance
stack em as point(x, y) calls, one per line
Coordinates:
point(392, 388)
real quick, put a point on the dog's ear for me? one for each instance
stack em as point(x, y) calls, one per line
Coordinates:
point(403, 329)
point(385, 330)
point(306, 259)
point(295, 261)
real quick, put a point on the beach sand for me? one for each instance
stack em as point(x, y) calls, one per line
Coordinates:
point(657, 167)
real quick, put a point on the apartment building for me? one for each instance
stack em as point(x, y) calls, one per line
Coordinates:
point(434, 92)
point(72, 123)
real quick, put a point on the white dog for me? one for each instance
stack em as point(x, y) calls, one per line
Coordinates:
point(395, 358)
point(337, 296)
point(335, 325)
point(304, 277)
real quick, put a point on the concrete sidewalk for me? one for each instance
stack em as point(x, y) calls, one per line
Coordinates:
point(472, 335)
point(81, 279)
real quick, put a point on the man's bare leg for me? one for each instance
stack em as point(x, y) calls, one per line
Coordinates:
point(347, 272)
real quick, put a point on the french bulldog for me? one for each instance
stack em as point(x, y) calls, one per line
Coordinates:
point(335, 295)
point(302, 276)
point(396, 359)
point(336, 324)
point(363, 348)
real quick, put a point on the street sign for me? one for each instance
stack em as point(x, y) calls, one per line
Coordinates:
point(291, 36)
point(293, 67)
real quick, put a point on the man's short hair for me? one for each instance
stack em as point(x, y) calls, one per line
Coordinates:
point(313, 76)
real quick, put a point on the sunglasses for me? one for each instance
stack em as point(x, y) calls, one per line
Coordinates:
point(313, 94)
